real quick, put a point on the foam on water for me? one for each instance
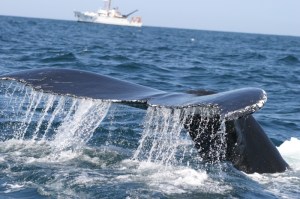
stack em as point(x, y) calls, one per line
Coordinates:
point(290, 151)
point(171, 179)
point(284, 185)
point(12, 187)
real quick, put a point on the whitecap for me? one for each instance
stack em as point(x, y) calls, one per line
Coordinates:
point(290, 151)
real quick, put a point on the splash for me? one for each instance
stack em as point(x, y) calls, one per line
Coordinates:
point(66, 123)
point(286, 184)
point(45, 129)
point(291, 152)
point(171, 179)
point(165, 139)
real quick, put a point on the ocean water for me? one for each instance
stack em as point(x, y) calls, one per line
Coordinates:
point(65, 147)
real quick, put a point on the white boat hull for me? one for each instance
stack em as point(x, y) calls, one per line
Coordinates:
point(93, 17)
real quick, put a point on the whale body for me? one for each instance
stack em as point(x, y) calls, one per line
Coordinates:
point(247, 145)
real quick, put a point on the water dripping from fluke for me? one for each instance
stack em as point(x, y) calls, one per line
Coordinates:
point(166, 138)
point(60, 122)
point(163, 140)
point(220, 125)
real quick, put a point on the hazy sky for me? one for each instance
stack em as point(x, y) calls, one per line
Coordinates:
point(254, 16)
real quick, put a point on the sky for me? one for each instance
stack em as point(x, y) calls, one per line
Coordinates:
point(279, 17)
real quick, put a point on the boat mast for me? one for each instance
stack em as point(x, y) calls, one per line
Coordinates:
point(109, 4)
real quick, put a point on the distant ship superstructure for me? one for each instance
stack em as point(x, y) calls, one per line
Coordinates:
point(108, 15)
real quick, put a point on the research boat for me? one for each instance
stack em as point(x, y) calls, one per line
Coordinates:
point(108, 15)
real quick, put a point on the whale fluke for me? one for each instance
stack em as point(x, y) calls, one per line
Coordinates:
point(247, 146)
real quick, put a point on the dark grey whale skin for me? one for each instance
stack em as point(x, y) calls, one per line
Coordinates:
point(248, 147)
point(253, 151)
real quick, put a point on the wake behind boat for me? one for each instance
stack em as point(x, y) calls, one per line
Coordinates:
point(108, 15)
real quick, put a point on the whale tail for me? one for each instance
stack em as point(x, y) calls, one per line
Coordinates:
point(246, 144)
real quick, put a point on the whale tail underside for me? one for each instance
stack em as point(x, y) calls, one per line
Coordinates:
point(245, 143)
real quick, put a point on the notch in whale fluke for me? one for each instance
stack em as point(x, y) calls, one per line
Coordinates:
point(248, 147)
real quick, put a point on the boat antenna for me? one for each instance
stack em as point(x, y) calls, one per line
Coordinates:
point(109, 4)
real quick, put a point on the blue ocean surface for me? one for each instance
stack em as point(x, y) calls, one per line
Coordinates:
point(55, 146)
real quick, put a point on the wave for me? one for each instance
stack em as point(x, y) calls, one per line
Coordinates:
point(283, 185)
point(60, 57)
point(255, 56)
point(143, 67)
point(163, 48)
point(28, 57)
point(130, 66)
point(247, 56)
point(291, 152)
point(289, 59)
point(114, 58)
